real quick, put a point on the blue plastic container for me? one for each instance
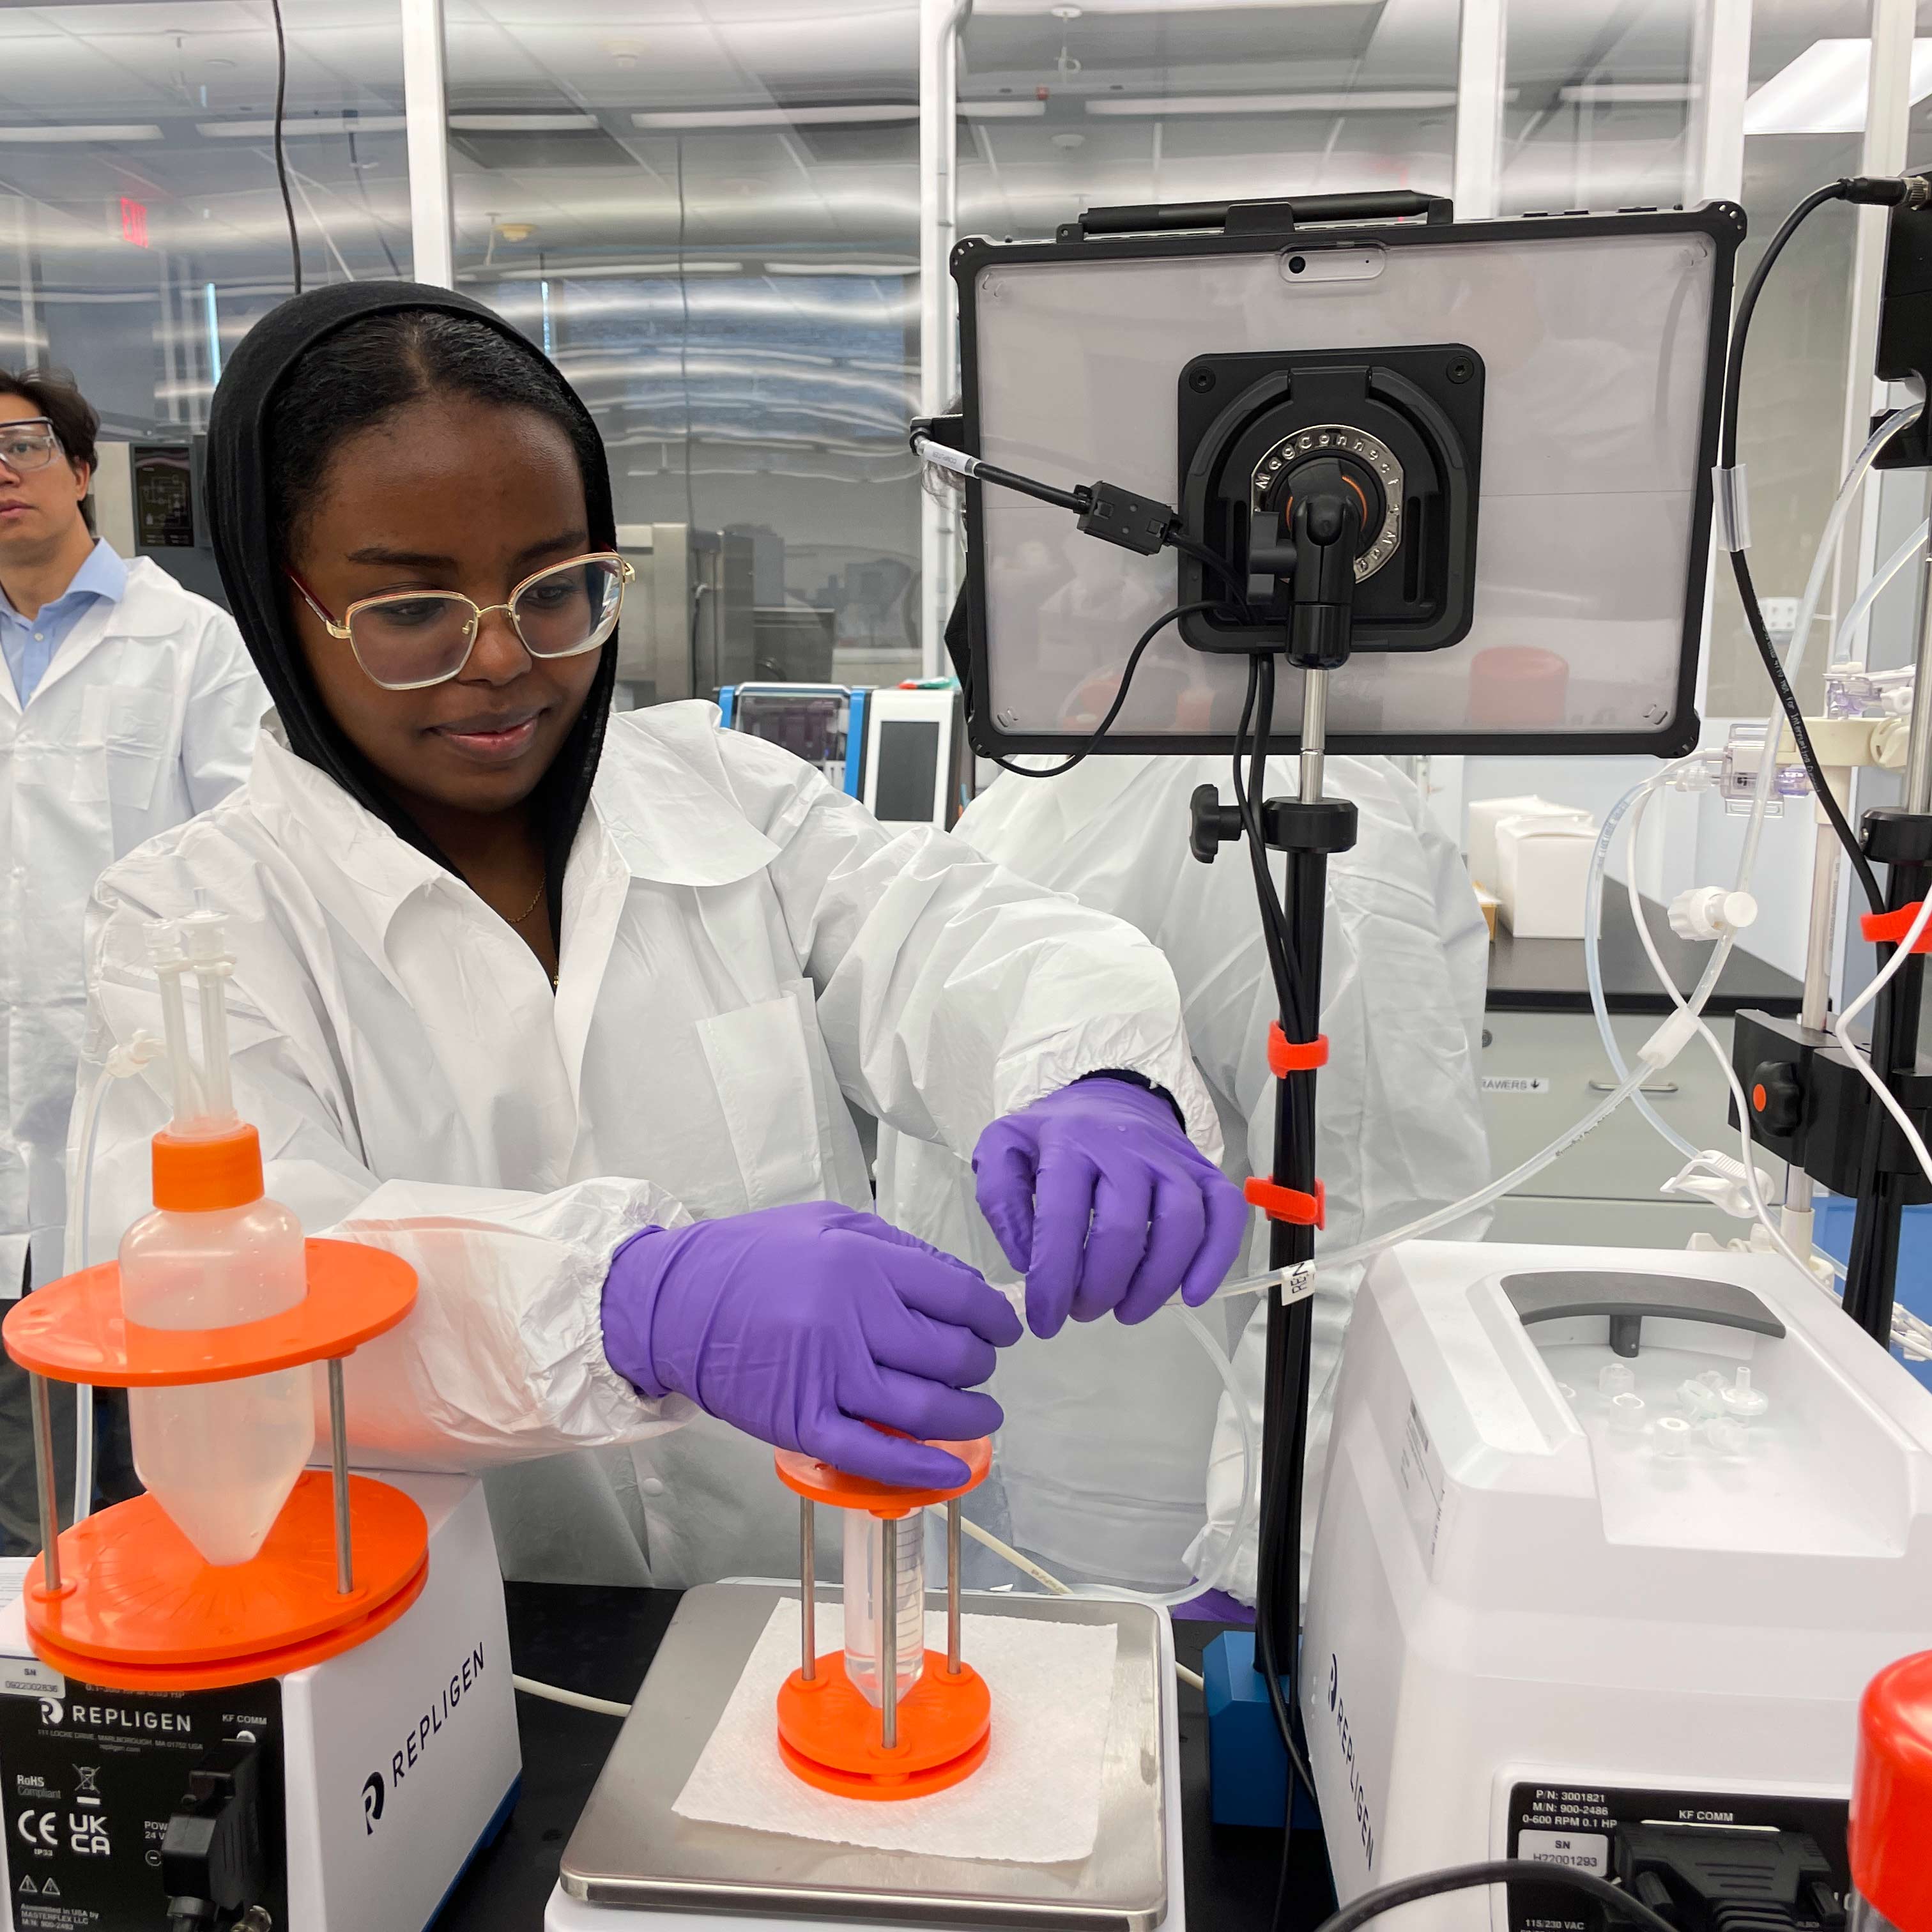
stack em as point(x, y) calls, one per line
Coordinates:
point(1832, 1231)
point(1247, 1768)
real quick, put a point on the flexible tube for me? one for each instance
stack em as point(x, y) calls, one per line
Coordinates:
point(1911, 547)
point(551, 1693)
point(1840, 1029)
point(1217, 1573)
point(1593, 930)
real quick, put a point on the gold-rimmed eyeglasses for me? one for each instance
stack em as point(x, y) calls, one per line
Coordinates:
point(406, 640)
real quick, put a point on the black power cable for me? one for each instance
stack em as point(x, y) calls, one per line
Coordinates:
point(281, 153)
point(1106, 724)
point(1495, 1871)
point(1867, 191)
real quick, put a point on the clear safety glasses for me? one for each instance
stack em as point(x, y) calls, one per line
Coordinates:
point(405, 639)
point(31, 445)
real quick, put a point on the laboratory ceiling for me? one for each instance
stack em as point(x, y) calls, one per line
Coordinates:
point(597, 137)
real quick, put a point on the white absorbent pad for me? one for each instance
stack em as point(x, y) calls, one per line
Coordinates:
point(1035, 1800)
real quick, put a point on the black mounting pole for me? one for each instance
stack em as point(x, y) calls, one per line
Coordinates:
point(1328, 533)
point(1901, 840)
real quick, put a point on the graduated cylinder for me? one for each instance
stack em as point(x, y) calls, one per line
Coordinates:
point(883, 1717)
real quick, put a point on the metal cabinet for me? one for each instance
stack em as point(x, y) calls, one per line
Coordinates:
point(1543, 1071)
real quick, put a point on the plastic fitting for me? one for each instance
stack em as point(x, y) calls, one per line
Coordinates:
point(1708, 912)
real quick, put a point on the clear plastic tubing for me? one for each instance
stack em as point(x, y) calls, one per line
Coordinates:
point(1913, 547)
point(1593, 962)
point(865, 1588)
point(1814, 590)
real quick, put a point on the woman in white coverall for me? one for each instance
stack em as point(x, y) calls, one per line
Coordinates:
point(1108, 1434)
point(578, 1022)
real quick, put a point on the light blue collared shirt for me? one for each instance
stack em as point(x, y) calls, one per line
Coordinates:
point(28, 644)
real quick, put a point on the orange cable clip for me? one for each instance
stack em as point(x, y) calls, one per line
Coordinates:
point(1289, 1203)
point(1287, 1056)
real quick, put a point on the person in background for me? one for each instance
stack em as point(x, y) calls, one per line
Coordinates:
point(127, 705)
point(575, 1011)
point(1108, 1434)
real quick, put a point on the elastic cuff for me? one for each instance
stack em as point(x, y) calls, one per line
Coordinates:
point(1134, 1079)
point(626, 1320)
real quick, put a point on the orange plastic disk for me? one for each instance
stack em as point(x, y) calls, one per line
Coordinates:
point(139, 1608)
point(73, 1330)
point(819, 1482)
point(114, 1676)
point(829, 1733)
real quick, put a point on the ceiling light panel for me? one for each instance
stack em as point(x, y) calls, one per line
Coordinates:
point(854, 114)
point(1824, 90)
point(28, 136)
point(1398, 100)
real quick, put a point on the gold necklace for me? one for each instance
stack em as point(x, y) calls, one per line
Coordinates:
point(532, 906)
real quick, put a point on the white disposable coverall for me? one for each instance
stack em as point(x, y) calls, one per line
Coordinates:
point(1109, 1430)
point(147, 715)
point(747, 957)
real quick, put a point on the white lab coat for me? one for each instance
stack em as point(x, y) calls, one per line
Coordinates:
point(747, 957)
point(1111, 1432)
point(147, 715)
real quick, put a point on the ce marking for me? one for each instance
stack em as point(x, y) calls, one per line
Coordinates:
point(38, 1829)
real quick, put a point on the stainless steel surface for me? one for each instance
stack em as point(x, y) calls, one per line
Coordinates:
point(953, 1588)
point(338, 1465)
point(1919, 745)
point(631, 1849)
point(889, 1633)
point(44, 1478)
point(1314, 733)
point(688, 622)
point(808, 1600)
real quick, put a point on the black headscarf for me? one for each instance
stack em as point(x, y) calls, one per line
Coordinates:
point(238, 520)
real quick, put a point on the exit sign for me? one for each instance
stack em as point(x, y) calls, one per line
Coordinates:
point(134, 221)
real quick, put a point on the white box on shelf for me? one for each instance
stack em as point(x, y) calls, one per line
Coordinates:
point(1543, 868)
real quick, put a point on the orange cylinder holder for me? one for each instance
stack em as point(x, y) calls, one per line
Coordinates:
point(1890, 928)
point(1286, 1056)
point(1289, 1204)
point(830, 1736)
point(138, 1609)
point(1891, 1796)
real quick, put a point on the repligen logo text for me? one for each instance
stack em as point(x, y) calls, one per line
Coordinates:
point(110, 1717)
point(415, 1745)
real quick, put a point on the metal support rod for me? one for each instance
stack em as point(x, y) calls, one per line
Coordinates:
point(889, 1633)
point(808, 1595)
point(953, 1588)
point(1820, 939)
point(44, 1478)
point(1314, 733)
point(1821, 933)
point(338, 1464)
point(1918, 744)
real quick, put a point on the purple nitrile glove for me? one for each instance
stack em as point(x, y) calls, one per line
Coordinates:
point(1098, 1196)
point(801, 1325)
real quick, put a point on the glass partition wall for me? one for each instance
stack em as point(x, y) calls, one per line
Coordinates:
point(142, 232)
point(710, 214)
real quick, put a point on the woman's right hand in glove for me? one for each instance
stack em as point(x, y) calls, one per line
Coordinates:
point(803, 1325)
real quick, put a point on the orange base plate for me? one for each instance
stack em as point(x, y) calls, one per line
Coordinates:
point(829, 1733)
point(140, 1610)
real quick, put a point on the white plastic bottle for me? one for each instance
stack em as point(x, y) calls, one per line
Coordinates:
point(219, 1458)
